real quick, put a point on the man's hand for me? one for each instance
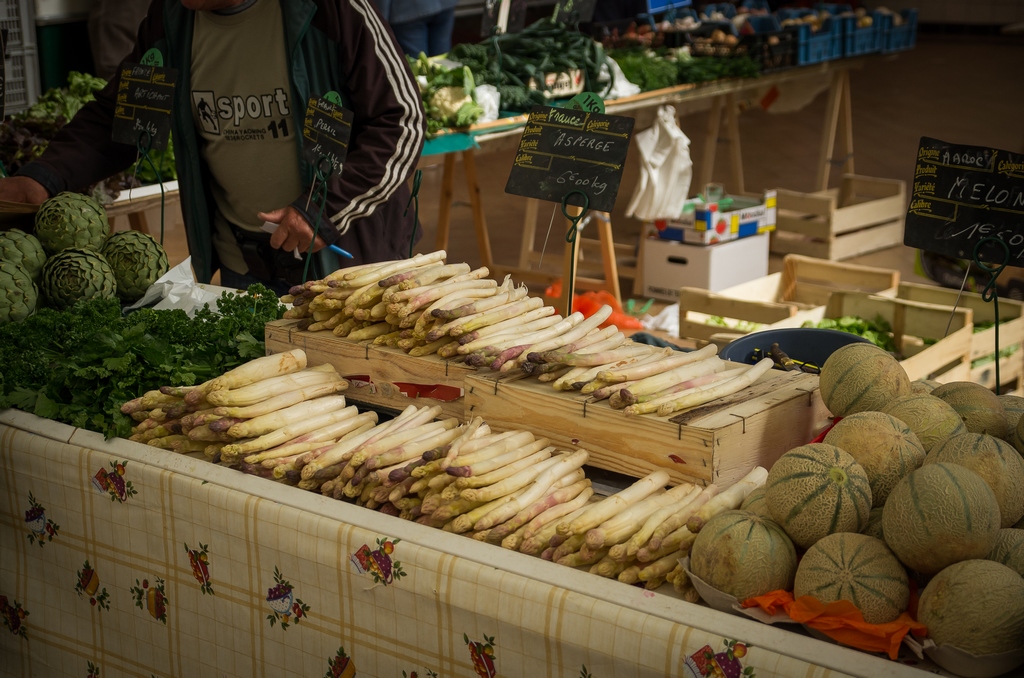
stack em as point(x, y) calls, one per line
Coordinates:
point(27, 191)
point(292, 232)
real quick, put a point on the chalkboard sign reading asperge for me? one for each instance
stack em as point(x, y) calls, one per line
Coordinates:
point(145, 103)
point(564, 150)
point(963, 194)
point(326, 132)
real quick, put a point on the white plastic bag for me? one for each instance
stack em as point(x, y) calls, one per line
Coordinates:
point(488, 98)
point(615, 85)
point(178, 289)
point(665, 169)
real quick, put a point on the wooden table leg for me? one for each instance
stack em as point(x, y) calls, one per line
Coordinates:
point(444, 212)
point(846, 125)
point(732, 117)
point(829, 132)
point(608, 261)
point(529, 232)
point(479, 220)
point(707, 167)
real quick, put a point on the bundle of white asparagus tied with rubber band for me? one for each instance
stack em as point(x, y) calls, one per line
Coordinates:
point(425, 306)
point(273, 405)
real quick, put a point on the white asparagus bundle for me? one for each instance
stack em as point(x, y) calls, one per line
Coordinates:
point(554, 497)
point(286, 433)
point(327, 436)
point(625, 524)
point(607, 508)
point(284, 400)
point(497, 462)
point(728, 500)
point(678, 519)
point(500, 474)
point(268, 388)
point(643, 535)
point(343, 450)
point(251, 372)
point(512, 481)
point(275, 420)
point(673, 360)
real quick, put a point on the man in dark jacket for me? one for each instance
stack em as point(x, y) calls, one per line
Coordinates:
point(255, 63)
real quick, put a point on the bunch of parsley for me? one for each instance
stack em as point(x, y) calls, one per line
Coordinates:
point(78, 366)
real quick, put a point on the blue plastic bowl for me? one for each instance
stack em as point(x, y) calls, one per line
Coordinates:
point(806, 344)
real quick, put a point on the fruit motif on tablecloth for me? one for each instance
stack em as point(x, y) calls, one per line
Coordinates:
point(705, 662)
point(94, 671)
point(43, 530)
point(89, 584)
point(340, 666)
point(154, 596)
point(482, 654)
point(379, 562)
point(285, 608)
point(199, 560)
point(584, 673)
point(414, 674)
point(113, 483)
point(13, 617)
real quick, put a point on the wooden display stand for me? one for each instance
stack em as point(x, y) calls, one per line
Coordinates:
point(863, 215)
point(780, 299)
point(384, 368)
point(944, 358)
point(718, 443)
point(1011, 331)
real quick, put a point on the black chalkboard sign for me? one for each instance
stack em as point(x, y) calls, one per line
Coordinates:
point(145, 103)
point(572, 11)
point(565, 150)
point(492, 13)
point(326, 132)
point(962, 194)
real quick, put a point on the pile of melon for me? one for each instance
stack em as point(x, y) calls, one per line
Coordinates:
point(916, 481)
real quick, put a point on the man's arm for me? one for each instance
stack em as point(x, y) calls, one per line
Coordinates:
point(82, 153)
point(389, 124)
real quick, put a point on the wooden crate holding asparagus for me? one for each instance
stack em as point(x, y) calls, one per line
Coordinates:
point(782, 299)
point(378, 375)
point(716, 443)
point(1011, 331)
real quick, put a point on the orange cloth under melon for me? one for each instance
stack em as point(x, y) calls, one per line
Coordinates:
point(841, 621)
point(589, 303)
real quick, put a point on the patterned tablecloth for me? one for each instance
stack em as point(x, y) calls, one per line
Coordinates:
point(118, 559)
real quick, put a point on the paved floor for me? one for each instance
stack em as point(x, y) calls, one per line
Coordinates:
point(959, 89)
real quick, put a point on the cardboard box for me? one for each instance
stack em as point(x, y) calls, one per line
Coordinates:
point(707, 224)
point(669, 265)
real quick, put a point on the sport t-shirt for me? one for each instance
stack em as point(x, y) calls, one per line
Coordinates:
point(242, 108)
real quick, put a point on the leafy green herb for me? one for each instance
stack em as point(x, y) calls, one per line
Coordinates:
point(78, 366)
point(878, 332)
point(741, 325)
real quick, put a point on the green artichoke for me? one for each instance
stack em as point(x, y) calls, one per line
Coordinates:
point(18, 247)
point(18, 294)
point(76, 274)
point(137, 261)
point(71, 220)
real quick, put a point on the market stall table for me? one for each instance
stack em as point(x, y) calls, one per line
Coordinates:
point(150, 563)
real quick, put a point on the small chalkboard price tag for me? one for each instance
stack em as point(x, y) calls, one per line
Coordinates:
point(145, 103)
point(326, 132)
point(492, 16)
point(564, 150)
point(573, 11)
point(962, 194)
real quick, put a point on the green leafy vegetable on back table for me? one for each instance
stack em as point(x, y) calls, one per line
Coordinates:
point(78, 366)
point(878, 332)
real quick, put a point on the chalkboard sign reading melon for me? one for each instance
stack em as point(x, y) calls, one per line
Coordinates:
point(963, 194)
point(565, 150)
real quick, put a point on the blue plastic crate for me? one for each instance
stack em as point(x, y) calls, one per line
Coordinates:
point(756, 5)
point(726, 8)
point(898, 38)
point(815, 47)
point(856, 40)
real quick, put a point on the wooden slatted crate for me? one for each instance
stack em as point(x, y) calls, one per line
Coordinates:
point(1011, 330)
point(783, 299)
point(919, 332)
point(863, 215)
point(381, 373)
point(719, 442)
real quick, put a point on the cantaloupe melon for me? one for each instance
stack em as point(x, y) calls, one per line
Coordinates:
point(874, 526)
point(857, 568)
point(998, 464)
point(743, 554)
point(938, 515)
point(979, 407)
point(817, 490)
point(924, 386)
point(932, 420)
point(755, 503)
point(1009, 550)
point(975, 605)
point(861, 378)
point(1018, 438)
point(883, 445)
point(1013, 406)
point(1020, 524)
